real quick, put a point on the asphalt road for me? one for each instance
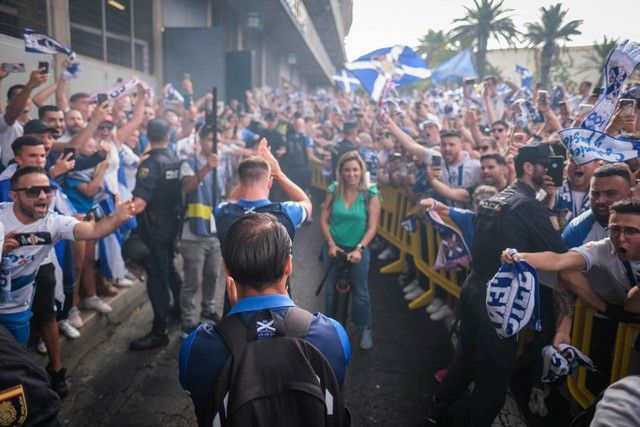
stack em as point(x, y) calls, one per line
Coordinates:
point(386, 385)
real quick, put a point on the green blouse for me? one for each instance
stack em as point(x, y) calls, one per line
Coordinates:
point(349, 224)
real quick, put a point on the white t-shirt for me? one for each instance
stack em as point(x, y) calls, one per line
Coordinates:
point(8, 134)
point(185, 171)
point(602, 254)
point(25, 260)
point(129, 161)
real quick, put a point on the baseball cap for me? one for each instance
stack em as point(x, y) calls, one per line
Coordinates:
point(430, 120)
point(37, 126)
point(157, 129)
point(536, 152)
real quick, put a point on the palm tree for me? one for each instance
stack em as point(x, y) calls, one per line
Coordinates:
point(487, 19)
point(598, 56)
point(435, 47)
point(548, 33)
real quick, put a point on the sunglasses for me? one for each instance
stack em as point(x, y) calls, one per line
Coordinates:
point(103, 127)
point(483, 148)
point(499, 130)
point(34, 191)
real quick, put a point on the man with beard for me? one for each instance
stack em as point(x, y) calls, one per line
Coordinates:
point(54, 118)
point(513, 218)
point(23, 255)
point(572, 197)
point(73, 123)
point(493, 170)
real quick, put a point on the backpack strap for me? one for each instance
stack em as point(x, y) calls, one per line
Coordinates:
point(295, 324)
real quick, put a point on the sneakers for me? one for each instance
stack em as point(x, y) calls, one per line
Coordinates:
point(537, 406)
point(106, 289)
point(405, 278)
point(129, 275)
point(387, 253)
point(366, 340)
point(442, 313)
point(435, 305)
point(68, 330)
point(123, 282)
point(41, 347)
point(207, 315)
point(185, 330)
point(410, 296)
point(148, 342)
point(95, 303)
point(75, 318)
point(59, 382)
point(411, 286)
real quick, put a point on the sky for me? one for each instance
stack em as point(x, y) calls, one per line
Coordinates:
point(382, 23)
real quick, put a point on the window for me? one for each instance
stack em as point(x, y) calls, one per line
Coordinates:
point(116, 31)
point(17, 14)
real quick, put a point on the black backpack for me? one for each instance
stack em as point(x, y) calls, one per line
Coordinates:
point(26, 395)
point(230, 212)
point(278, 381)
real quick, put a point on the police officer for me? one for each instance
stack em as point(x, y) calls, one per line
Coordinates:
point(511, 219)
point(348, 143)
point(157, 200)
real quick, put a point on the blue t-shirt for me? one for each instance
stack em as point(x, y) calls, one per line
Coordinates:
point(296, 212)
point(204, 353)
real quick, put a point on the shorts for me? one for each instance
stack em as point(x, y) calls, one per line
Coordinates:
point(18, 325)
point(43, 306)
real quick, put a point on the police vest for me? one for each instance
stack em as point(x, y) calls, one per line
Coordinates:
point(166, 200)
point(230, 212)
point(199, 209)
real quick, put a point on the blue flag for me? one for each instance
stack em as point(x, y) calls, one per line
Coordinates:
point(457, 67)
point(526, 78)
point(346, 81)
point(390, 66)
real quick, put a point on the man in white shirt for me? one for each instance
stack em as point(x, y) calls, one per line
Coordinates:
point(17, 113)
point(32, 229)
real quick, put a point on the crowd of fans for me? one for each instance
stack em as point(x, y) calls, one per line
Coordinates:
point(448, 147)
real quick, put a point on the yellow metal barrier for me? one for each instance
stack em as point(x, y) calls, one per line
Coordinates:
point(422, 245)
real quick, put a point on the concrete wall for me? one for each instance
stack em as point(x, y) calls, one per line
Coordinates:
point(95, 74)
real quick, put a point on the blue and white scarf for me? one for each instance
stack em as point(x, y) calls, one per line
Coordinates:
point(557, 364)
point(622, 60)
point(37, 42)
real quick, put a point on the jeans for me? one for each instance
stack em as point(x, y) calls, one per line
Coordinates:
point(360, 302)
point(482, 357)
point(162, 278)
point(202, 262)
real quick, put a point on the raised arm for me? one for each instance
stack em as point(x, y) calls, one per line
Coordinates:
point(408, 143)
point(96, 230)
point(97, 116)
point(137, 115)
point(548, 261)
point(40, 98)
point(19, 101)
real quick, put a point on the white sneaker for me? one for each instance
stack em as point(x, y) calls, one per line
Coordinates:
point(68, 330)
point(366, 340)
point(434, 306)
point(123, 283)
point(95, 303)
point(129, 275)
point(41, 347)
point(411, 286)
point(442, 313)
point(75, 318)
point(386, 254)
point(410, 296)
point(537, 396)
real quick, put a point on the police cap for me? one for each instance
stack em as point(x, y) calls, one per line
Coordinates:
point(536, 152)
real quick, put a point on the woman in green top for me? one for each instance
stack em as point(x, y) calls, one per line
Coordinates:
point(349, 221)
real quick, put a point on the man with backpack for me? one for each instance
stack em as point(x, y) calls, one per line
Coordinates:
point(256, 175)
point(296, 159)
point(268, 362)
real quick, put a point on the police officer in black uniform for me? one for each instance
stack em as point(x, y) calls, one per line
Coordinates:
point(157, 202)
point(348, 143)
point(511, 219)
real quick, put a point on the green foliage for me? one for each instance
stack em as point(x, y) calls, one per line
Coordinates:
point(488, 18)
point(436, 47)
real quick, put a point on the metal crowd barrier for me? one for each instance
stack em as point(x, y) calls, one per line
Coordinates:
point(422, 245)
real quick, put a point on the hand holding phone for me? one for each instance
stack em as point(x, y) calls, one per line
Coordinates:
point(67, 151)
point(43, 66)
point(35, 238)
point(102, 98)
point(16, 67)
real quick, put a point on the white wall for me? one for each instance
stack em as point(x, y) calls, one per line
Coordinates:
point(95, 74)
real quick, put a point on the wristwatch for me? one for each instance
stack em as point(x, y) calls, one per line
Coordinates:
point(361, 247)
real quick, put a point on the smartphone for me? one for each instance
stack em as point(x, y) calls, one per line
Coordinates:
point(542, 96)
point(35, 238)
point(436, 161)
point(627, 105)
point(468, 81)
point(68, 150)
point(43, 66)
point(102, 98)
point(14, 67)
point(555, 169)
